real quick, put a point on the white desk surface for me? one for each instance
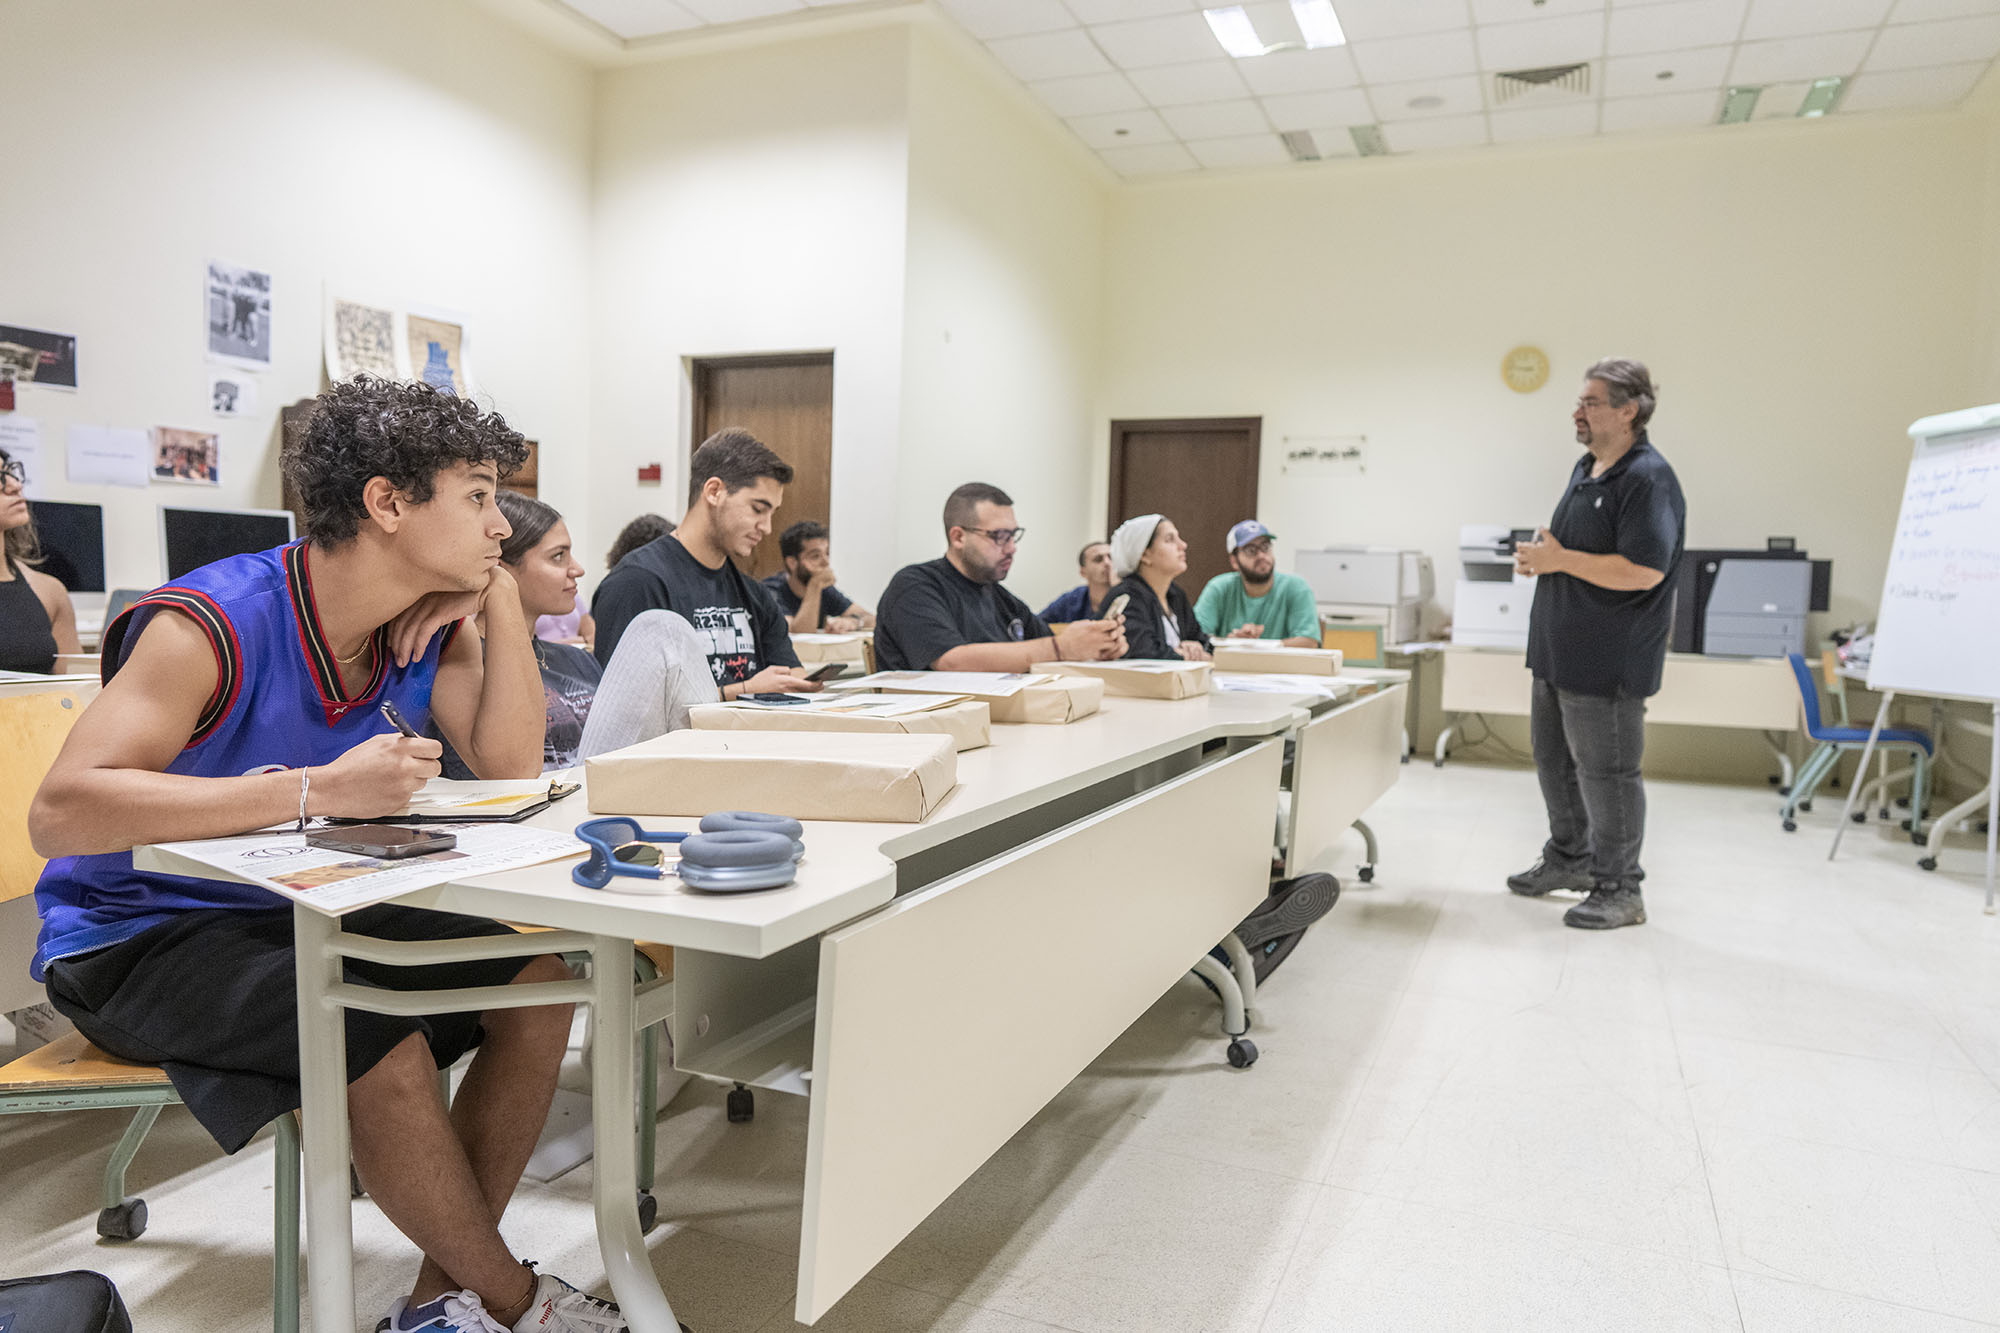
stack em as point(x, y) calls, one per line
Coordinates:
point(849, 867)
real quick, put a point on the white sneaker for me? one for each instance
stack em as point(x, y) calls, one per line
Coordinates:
point(453, 1312)
point(560, 1308)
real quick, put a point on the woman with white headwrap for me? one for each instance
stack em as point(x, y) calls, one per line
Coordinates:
point(1147, 554)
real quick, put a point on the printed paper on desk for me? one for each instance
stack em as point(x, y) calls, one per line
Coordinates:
point(339, 882)
point(867, 705)
point(979, 684)
point(1274, 682)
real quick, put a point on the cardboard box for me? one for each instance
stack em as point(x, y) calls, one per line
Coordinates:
point(813, 648)
point(1149, 679)
point(1246, 656)
point(966, 721)
point(805, 774)
point(1053, 702)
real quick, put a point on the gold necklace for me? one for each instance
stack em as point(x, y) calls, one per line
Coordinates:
point(350, 661)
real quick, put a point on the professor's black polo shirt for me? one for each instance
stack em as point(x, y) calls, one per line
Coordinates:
point(1592, 640)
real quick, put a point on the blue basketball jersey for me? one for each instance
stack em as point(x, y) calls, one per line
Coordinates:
point(278, 704)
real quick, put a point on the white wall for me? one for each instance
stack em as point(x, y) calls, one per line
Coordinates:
point(1003, 313)
point(752, 201)
point(1801, 294)
point(425, 152)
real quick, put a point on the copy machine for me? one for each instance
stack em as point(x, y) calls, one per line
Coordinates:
point(1748, 603)
point(1489, 607)
point(1370, 585)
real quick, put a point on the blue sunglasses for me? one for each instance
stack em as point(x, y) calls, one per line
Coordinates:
point(735, 852)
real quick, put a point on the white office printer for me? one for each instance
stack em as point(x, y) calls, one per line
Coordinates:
point(1490, 605)
point(1372, 585)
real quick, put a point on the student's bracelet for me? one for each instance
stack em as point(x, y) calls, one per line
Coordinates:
point(305, 783)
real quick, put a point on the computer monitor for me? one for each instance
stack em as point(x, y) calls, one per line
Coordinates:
point(191, 538)
point(72, 538)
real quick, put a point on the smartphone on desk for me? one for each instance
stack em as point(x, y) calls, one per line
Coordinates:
point(385, 842)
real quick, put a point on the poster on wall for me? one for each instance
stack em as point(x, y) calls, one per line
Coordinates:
point(361, 340)
point(107, 456)
point(186, 457)
point(21, 441)
point(231, 394)
point(239, 315)
point(33, 356)
point(437, 353)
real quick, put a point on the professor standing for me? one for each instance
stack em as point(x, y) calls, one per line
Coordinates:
point(1597, 641)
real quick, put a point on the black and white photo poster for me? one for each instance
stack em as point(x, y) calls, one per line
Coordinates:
point(239, 315)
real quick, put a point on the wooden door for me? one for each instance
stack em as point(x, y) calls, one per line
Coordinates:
point(1201, 473)
point(787, 402)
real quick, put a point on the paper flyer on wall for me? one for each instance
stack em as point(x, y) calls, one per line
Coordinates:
point(339, 882)
point(984, 684)
point(239, 315)
point(38, 357)
point(107, 456)
point(438, 351)
point(362, 339)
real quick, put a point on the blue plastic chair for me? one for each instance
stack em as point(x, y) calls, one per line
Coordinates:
point(1833, 742)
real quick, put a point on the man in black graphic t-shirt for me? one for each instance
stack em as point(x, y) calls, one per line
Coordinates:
point(735, 484)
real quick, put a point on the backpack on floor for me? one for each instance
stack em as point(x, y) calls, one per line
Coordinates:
point(77, 1302)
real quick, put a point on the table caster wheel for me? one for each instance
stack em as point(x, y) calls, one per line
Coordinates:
point(1783, 791)
point(1859, 816)
point(1242, 1053)
point(649, 1211)
point(1437, 763)
point(1366, 874)
point(125, 1222)
point(1806, 805)
point(1927, 863)
point(742, 1105)
point(1774, 779)
point(1791, 826)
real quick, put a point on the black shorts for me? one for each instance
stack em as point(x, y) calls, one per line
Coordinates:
point(211, 997)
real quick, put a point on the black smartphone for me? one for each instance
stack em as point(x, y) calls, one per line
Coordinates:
point(824, 670)
point(385, 842)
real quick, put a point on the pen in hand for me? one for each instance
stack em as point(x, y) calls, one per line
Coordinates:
point(395, 718)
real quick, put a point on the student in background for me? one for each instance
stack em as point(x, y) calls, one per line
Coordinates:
point(36, 618)
point(641, 530)
point(805, 590)
point(1148, 553)
point(734, 486)
point(539, 555)
point(1257, 602)
point(245, 696)
point(1093, 562)
point(951, 614)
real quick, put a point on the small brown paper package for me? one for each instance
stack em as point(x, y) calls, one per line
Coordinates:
point(1149, 679)
point(814, 648)
point(964, 720)
point(1290, 661)
point(1051, 699)
point(805, 774)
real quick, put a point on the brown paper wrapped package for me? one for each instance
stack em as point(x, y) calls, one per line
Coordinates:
point(1290, 661)
point(805, 774)
point(813, 648)
point(966, 722)
point(1148, 680)
point(1054, 702)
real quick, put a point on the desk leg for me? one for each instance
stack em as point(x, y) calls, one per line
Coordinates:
point(1444, 740)
point(323, 1117)
point(1854, 788)
point(626, 1263)
point(1785, 774)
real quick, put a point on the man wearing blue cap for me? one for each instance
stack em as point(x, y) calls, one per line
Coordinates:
point(1257, 602)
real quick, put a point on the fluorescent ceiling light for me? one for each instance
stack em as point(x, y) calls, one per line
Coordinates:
point(1318, 24)
point(1232, 27)
point(1738, 106)
point(1821, 97)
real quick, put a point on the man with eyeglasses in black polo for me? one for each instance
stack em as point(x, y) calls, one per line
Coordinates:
point(951, 614)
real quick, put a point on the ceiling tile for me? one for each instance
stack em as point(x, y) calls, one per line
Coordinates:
point(1250, 150)
point(1919, 11)
point(1120, 128)
point(1412, 136)
point(1334, 143)
point(1117, 11)
point(1671, 111)
point(1181, 85)
point(1920, 44)
point(1216, 120)
point(1913, 88)
point(1544, 122)
point(1319, 111)
point(1460, 95)
point(1088, 94)
point(1174, 40)
point(1156, 159)
point(737, 11)
point(1049, 55)
point(1300, 71)
point(1639, 76)
point(1367, 20)
point(1799, 57)
point(1802, 18)
point(987, 19)
point(1516, 11)
point(1541, 43)
point(636, 18)
point(1674, 27)
point(1403, 58)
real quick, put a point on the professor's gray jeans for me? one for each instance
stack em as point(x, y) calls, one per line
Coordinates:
point(1587, 752)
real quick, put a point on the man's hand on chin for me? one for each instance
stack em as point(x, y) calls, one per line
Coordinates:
point(410, 633)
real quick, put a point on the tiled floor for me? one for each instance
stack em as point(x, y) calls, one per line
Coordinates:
point(1773, 1107)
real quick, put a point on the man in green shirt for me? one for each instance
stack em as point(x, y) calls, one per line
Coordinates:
point(1257, 602)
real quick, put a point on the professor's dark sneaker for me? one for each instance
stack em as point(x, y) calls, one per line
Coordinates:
point(1608, 909)
point(1542, 877)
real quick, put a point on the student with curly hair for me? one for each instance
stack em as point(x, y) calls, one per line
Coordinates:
point(246, 694)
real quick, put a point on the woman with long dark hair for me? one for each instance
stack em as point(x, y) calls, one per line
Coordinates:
point(36, 618)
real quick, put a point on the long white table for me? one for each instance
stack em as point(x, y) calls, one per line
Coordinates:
point(912, 982)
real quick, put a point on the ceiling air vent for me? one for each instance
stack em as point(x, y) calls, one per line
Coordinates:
point(1300, 145)
point(1368, 140)
point(1510, 84)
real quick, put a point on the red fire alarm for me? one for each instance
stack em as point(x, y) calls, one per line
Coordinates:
point(650, 472)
